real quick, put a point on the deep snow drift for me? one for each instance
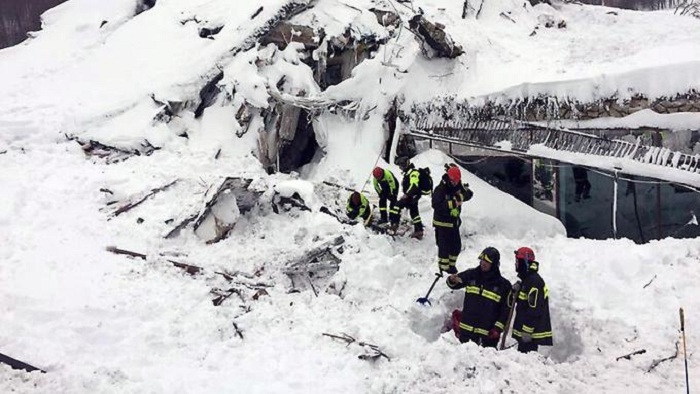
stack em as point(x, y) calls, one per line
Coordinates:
point(98, 322)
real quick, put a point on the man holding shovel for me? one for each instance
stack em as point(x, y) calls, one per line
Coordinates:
point(485, 312)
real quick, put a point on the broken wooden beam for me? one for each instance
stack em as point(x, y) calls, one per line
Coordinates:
point(223, 295)
point(176, 230)
point(656, 363)
point(116, 250)
point(130, 205)
point(16, 364)
point(232, 191)
point(374, 350)
point(629, 356)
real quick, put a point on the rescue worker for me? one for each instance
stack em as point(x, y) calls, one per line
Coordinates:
point(447, 208)
point(485, 309)
point(386, 186)
point(532, 326)
point(358, 206)
point(415, 183)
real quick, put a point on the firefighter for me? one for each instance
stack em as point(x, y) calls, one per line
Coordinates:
point(386, 186)
point(447, 208)
point(415, 183)
point(532, 326)
point(485, 309)
point(358, 205)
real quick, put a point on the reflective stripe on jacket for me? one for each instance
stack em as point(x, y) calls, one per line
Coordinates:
point(387, 186)
point(446, 213)
point(485, 300)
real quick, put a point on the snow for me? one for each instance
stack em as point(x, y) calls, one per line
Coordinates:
point(100, 322)
point(644, 118)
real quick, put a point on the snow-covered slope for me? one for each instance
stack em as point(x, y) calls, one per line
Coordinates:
point(103, 323)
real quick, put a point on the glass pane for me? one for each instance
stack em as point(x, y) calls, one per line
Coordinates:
point(509, 174)
point(585, 202)
point(636, 208)
point(679, 209)
point(544, 189)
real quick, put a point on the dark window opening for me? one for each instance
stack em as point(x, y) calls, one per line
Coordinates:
point(300, 150)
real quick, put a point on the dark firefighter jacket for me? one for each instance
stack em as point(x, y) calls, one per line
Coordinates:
point(485, 301)
point(416, 182)
point(388, 186)
point(532, 308)
point(446, 212)
point(363, 210)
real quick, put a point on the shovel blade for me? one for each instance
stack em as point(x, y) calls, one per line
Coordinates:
point(423, 301)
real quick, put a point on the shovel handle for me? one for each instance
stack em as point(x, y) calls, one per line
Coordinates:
point(680, 311)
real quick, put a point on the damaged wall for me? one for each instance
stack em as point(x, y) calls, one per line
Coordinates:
point(18, 17)
point(287, 139)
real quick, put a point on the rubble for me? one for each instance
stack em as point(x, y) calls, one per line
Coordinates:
point(231, 199)
point(285, 33)
point(315, 266)
point(435, 42)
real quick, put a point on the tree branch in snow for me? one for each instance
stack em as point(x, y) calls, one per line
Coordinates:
point(193, 270)
point(130, 205)
point(504, 15)
point(116, 250)
point(238, 330)
point(661, 360)
point(223, 295)
point(647, 285)
point(689, 7)
point(256, 13)
point(629, 356)
point(374, 352)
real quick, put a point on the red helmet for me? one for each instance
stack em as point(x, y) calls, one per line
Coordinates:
point(525, 253)
point(454, 174)
point(355, 198)
point(378, 172)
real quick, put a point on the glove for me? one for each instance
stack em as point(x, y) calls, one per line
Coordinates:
point(453, 279)
point(454, 212)
point(526, 338)
point(494, 334)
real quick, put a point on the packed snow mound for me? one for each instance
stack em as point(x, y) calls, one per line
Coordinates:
point(101, 322)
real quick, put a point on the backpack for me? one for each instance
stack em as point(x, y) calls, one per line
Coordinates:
point(425, 181)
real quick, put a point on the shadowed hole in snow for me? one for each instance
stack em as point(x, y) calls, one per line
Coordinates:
point(144, 5)
point(432, 321)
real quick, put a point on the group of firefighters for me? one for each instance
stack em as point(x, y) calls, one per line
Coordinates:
point(489, 300)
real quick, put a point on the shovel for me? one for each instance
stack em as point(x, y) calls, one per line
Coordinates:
point(425, 300)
